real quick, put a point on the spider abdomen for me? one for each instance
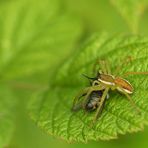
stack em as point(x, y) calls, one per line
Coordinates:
point(123, 85)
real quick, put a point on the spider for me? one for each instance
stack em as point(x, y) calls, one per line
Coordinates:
point(95, 95)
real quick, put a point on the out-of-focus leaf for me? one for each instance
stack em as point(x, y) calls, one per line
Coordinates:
point(97, 15)
point(34, 37)
point(7, 111)
point(51, 110)
point(132, 11)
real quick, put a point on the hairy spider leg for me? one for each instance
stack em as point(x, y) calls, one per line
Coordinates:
point(102, 65)
point(91, 89)
point(131, 102)
point(100, 105)
point(79, 96)
point(107, 67)
point(95, 82)
point(135, 73)
point(123, 62)
point(95, 68)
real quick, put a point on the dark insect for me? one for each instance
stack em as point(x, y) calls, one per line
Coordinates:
point(93, 99)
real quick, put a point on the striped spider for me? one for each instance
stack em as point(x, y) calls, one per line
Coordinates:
point(95, 95)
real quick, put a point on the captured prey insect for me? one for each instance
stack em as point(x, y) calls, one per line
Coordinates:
point(93, 99)
point(94, 96)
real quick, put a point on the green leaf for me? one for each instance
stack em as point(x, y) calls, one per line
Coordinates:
point(131, 11)
point(7, 112)
point(97, 15)
point(34, 37)
point(51, 110)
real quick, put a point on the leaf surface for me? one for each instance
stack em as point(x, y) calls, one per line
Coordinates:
point(131, 11)
point(51, 110)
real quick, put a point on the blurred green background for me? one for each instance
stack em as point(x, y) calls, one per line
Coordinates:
point(35, 37)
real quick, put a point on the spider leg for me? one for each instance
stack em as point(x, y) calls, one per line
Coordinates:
point(124, 61)
point(95, 69)
point(107, 66)
point(100, 105)
point(95, 83)
point(104, 65)
point(78, 97)
point(101, 63)
point(91, 89)
point(132, 103)
point(135, 73)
